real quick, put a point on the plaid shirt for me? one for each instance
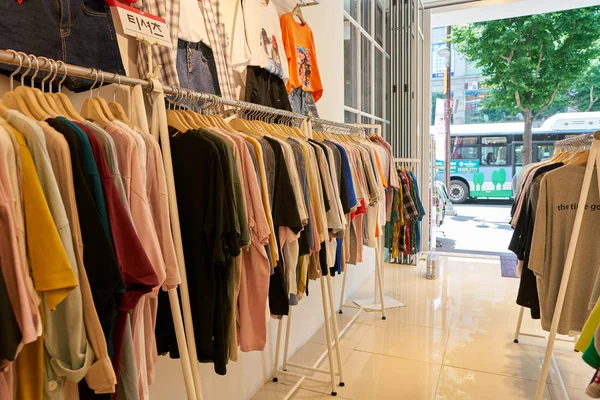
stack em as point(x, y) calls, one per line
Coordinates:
point(167, 58)
point(410, 209)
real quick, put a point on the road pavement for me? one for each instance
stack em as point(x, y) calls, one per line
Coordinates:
point(482, 227)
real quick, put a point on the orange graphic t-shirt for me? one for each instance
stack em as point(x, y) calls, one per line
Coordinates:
point(299, 46)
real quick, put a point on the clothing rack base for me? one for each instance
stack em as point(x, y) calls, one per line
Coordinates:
point(332, 341)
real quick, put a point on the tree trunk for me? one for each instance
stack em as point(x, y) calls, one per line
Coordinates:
point(527, 138)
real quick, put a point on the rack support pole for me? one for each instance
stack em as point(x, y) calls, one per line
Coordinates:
point(336, 333)
point(328, 335)
point(287, 339)
point(176, 229)
point(277, 348)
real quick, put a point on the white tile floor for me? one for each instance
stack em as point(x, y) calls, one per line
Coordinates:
point(453, 340)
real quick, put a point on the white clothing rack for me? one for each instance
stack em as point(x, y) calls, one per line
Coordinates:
point(332, 333)
point(184, 329)
point(593, 161)
point(379, 299)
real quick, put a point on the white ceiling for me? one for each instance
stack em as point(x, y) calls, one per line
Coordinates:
point(497, 9)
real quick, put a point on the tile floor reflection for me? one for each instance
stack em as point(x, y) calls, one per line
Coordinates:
point(453, 341)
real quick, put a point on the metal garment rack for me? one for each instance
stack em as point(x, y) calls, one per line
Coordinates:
point(183, 327)
point(379, 299)
point(593, 161)
point(332, 332)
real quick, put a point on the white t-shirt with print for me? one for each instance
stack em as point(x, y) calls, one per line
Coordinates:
point(257, 39)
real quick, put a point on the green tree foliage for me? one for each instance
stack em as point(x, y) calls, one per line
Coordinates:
point(584, 95)
point(530, 60)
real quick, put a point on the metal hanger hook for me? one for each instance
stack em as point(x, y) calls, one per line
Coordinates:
point(43, 84)
point(101, 82)
point(25, 57)
point(64, 75)
point(118, 86)
point(95, 81)
point(51, 83)
point(12, 84)
point(37, 68)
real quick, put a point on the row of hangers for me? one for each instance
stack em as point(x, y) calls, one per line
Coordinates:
point(40, 105)
point(575, 152)
point(252, 120)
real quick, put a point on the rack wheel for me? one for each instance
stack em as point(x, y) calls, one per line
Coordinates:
point(516, 340)
point(384, 318)
point(342, 384)
point(334, 393)
point(285, 369)
point(275, 379)
point(340, 312)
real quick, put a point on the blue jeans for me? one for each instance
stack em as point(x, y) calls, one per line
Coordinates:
point(303, 102)
point(78, 32)
point(196, 68)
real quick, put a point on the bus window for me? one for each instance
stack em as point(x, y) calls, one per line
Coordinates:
point(544, 151)
point(494, 151)
point(464, 148)
point(519, 155)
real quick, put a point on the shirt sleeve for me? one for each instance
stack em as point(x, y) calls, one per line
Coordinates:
point(315, 75)
point(537, 258)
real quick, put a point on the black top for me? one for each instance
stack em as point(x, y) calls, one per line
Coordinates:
point(210, 242)
point(285, 213)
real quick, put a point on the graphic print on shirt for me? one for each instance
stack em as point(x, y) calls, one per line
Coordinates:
point(271, 48)
point(303, 59)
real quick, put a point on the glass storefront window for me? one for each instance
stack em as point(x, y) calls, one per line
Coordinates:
point(367, 79)
point(350, 64)
point(365, 15)
point(350, 117)
point(379, 84)
point(350, 7)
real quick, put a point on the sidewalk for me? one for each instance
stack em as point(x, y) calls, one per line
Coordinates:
point(476, 227)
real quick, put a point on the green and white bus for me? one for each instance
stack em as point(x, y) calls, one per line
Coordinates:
point(486, 157)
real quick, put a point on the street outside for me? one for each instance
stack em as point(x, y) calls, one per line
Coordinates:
point(477, 227)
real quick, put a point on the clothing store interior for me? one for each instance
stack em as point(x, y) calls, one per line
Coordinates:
point(284, 246)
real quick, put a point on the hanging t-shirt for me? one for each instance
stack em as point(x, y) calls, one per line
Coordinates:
point(554, 218)
point(191, 22)
point(257, 39)
point(299, 45)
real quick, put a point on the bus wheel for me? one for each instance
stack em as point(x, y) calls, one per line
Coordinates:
point(459, 192)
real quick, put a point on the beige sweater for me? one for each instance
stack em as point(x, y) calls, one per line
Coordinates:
point(557, 205)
